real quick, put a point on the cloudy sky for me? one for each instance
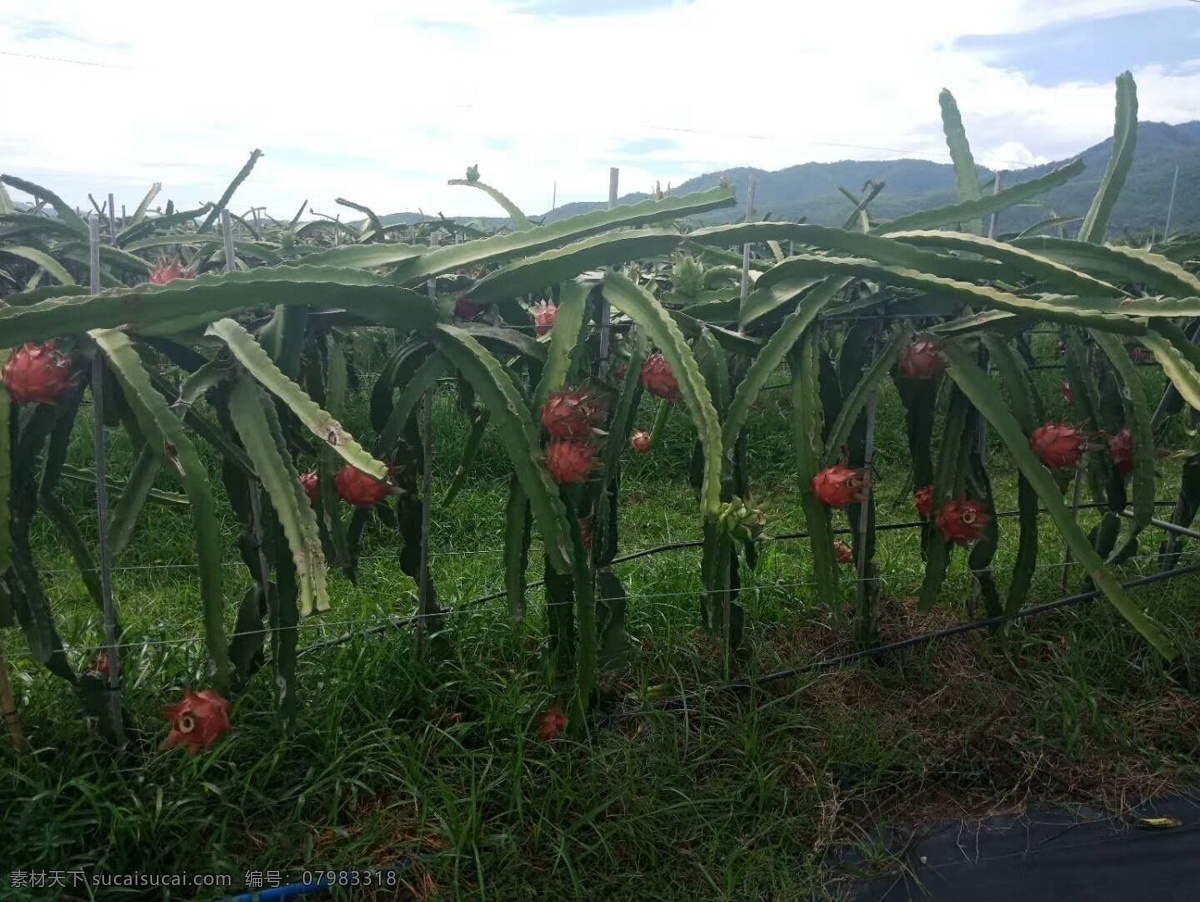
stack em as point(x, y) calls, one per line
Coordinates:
point(381, 102)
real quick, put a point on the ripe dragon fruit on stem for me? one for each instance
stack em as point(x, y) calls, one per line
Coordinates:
point(921, 360)
point(845, 554)
point(640, 442)
point(37, 373)
point(544, 315)
point(169, 271)
point(961, 520)
point(101, 666)
point(923, 502)
point(198, 721)
point(553, 722)
point(569, 462)
point(570, 414)
point(1120, 448)
point(1059, 446)
point(658, 379)
point(360, 489)
point(464, 309)
point(311, 484)
point(840, 486)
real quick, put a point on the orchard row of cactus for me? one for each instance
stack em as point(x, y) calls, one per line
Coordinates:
point(518, 321)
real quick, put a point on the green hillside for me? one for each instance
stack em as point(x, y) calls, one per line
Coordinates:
point(810, 190)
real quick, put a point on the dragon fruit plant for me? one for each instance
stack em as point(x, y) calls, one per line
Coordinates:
point(257, 365)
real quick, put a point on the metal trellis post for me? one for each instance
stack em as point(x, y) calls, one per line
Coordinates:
point(426, 491)
point(106, 591)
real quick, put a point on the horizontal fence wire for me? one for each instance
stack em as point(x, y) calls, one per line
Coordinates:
point(400, 621)
point(925, 638)
point(828, 317)
point(68, 571)
point(407, 619)
point(632, 556)
point(380, 624)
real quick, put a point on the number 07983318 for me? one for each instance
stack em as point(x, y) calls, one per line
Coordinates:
point(357, 877)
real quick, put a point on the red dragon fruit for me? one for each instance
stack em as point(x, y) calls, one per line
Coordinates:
point(544, 315)
point(921, 360)
point(845, 554)
point(640, 442)
point(658, 378)
point(554, 721)
point(102, 666)
point(570, 414)
point(358, 488)
point(923, 501)
point(464, 309)
point(1059, 445)
point(198, 721)
point(1121, 450)
point(168, 271)
point(839, 486)
point(961, 520)
point(311, 483)
point(37, 373)
point(569, 462)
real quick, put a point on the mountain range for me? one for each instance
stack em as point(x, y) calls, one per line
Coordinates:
point(810, 190)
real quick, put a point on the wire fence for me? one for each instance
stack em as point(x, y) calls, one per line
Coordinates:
point(826, 316)
point(362, 627)
point(535, 549)
point(926, 638)
point(376, 625)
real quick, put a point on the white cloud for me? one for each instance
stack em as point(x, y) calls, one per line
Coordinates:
point(382, 103)
point(1010, 155)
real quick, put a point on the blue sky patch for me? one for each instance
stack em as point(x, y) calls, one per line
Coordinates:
point(311, 156)
point(645, 145)
point(584, 9)
point(1095, 50)
point(41, 30)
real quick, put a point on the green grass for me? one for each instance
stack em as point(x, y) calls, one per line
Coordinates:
point(754, 795)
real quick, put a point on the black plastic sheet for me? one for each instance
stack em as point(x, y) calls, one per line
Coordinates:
point(1059, 856)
